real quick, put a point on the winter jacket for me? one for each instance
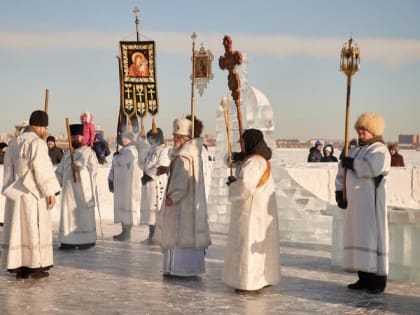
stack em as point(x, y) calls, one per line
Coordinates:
point(397, 160)
point(314, 155)
point(56, 154)
point(88, 129)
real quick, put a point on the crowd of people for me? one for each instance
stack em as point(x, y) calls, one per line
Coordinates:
point(164, 188)
point(155, 185)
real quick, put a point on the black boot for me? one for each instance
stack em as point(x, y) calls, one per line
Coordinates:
point(125, 234)
point(23, 273)
point(377, 284)
point(362, 283)
point(151, 233)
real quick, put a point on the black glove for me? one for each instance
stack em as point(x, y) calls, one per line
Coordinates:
point(341, 203)
point(238, 156)
point(145, 179)
point(231, 179)
point(111, 186)
point(347, 162)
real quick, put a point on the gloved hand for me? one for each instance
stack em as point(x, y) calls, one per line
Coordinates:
point(347, 162)
point(339, 198)
point(111, 186)
point(238, 156)
point(145, 179)
point(162, 170)
point(231, 179)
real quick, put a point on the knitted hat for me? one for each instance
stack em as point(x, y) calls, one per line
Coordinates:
point(50, 138)
point(76, 129)
point(328, 148)
point(373, 123)
point(318, 143)
point(39, 118)
point(182, 127)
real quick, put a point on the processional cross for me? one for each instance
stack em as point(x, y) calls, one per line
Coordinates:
point(229, 61)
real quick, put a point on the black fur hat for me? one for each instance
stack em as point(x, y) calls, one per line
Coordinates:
point(76, 129)
point(39, 118)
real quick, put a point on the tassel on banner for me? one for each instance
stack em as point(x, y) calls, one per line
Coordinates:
point(154, 128)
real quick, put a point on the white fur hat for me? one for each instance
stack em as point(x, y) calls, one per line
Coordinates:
point(182, 127)
point(373, 123)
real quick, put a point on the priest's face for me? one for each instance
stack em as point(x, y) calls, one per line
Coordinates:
point(125, 141)
point(364, 134)
point(179, 141)
point(42, 131)
point(77, 141)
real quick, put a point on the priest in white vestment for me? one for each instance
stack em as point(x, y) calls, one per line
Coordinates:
point(252, 252)
point(154, 180)
point(124, 182)
point(30, 187)
point(365, 231)
point(182, 228)
point(78, 201)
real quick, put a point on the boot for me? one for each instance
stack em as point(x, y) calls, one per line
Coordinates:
point(377, 284)
point(125, 234)
point(118, 237)
point(149, 239)
point(362, 283)
point(151, 233)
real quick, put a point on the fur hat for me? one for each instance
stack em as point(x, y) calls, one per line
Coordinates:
point(76, 130)
point(182, 127)
point(373, 123)
point(39, 118)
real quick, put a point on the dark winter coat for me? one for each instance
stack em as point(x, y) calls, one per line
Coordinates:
point(314, 155)
point(56, 154)
point(101, 148)
point(397, 160)
point(330, 158)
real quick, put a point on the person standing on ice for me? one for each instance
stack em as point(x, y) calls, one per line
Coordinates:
point(315, 154)
point(27, 241)
point(252, 252)
point(124, 181)
point(154, 180)
point(365, 231)
point(78, 180)
point(182, 228)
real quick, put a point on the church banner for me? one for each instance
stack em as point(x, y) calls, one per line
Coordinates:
point(139, 79)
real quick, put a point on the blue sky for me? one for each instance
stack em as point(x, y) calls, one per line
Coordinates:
point(293, 47)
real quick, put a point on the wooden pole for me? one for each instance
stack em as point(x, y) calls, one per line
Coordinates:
point(229, 61)
point(47, 94)
point(225, 106)
point(70, 147)
point(193, 36)
point(121, 111)
point(346, 133)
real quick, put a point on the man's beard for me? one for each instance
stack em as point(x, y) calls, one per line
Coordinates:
point(76, 144)
point(177, 146)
